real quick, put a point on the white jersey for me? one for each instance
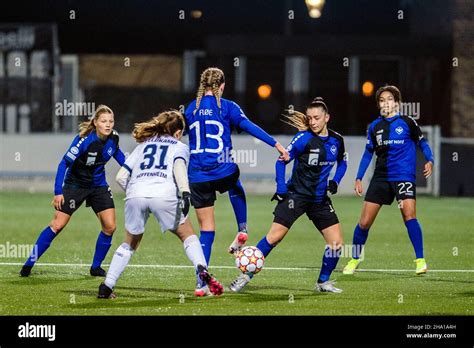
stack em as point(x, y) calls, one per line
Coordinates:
point(151, 167)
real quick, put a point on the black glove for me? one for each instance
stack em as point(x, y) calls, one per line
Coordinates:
point(185, 202)
point(332, 187)
point(280, 197)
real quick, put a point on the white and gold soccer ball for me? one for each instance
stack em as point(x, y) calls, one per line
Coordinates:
point(250, 260)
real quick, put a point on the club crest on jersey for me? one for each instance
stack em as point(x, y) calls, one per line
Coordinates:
point(399, 130)
point(313, 157)
point(333, 149)
point(74, 150)
point(109, 151)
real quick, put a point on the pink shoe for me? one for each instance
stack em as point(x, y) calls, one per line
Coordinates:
point(238, 242)
point(212, 284)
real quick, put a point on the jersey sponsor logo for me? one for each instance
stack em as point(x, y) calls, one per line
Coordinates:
point(393, 141)
point(91, 158)
point(313, 157)
point(148, 174)
point(74, 150)
point(333, 149)
point(399, 130)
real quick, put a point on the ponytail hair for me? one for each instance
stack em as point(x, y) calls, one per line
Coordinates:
point(211, 78)
point(298, 119)
point(166, 123)
point(86, 127)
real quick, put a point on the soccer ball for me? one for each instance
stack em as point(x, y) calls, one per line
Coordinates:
point(250, 260)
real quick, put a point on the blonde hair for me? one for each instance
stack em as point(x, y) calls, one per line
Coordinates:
point(298, 119)
point(211, 78)
point(167, 122)
point(86, 127)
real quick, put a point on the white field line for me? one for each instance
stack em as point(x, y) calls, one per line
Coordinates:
point(233, 267)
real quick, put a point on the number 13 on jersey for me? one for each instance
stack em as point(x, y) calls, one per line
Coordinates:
point(218, 137)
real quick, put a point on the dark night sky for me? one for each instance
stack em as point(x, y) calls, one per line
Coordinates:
point(141, 26)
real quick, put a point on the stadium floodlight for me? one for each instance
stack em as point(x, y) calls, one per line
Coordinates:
point(196, 14)
point(367, 88)
point(264, 91)
point(315, 7)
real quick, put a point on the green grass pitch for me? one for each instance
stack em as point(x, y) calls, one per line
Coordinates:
point(448, 226)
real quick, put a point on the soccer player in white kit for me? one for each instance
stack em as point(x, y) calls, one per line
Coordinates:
point(155, 179)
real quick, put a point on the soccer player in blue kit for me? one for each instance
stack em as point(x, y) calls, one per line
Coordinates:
point(83, 171)
point(394, 139)
point(315, 150)
point(209, 121)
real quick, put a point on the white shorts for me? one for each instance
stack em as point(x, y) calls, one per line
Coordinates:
point(166, 211)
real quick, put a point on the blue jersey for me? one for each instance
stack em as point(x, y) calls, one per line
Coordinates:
point(209, 129)
point(314, 158)
point(85, 162)
point(394, 141)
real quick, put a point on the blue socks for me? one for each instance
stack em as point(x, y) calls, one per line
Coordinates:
point(264, 246)
point(206, 239)
point(358, 241)
point(239, 204)
point(330, 259)
point(416, 236)
point(102, 246)
point(42, 244)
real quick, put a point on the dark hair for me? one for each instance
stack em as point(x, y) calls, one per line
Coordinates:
point(318, 102)
point(392, 89)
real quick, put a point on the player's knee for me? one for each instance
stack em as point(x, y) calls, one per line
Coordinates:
point(409, 216)
point(57, 226)
point(365, 224)
point(274, 240)
point(336, 244)
point(109, 229)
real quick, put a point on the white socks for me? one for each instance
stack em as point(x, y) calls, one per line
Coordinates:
point(120, 260)
point(193, 249)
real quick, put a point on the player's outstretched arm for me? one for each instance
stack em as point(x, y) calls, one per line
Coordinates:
point(119, 157)
point(123, 177)
point(260, 134)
